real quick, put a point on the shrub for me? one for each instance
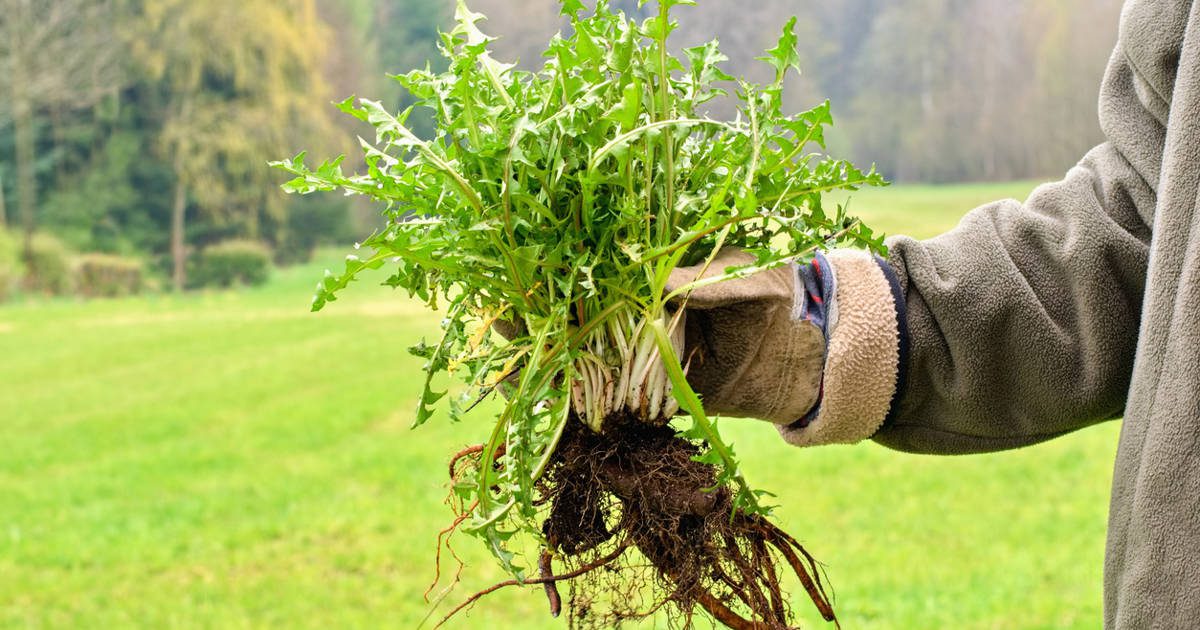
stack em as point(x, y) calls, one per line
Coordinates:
point(106, 275)
point(48, 266)
point(10, 263)
point(231, 263)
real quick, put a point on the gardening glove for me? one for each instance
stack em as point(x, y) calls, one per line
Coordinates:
point(814, 348)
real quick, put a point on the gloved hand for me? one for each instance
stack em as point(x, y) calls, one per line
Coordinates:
point(814, 348)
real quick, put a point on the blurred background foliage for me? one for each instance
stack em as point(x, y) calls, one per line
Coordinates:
point(140, 128)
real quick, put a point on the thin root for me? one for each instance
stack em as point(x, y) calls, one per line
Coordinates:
point(587, 568)
point(443, 538)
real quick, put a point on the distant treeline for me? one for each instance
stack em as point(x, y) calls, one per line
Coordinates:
point(142, 127)
point(930, 90)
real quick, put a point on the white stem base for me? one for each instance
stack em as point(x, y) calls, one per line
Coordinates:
point(637, 384)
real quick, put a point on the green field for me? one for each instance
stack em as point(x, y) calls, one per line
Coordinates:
point(229, 460)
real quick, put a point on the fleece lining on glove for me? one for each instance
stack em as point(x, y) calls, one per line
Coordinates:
point(862, 358)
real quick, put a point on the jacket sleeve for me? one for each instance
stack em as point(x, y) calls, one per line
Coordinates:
point(1022, 321)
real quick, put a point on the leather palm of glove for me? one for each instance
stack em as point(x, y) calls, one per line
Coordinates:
point(814, 349)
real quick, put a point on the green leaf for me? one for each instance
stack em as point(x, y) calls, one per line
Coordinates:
point(705, 62)
point(627, 110)
point(425, 406)
point(348, 107)
point(586, 47)
point(329, 286)
point(784, 55)
point(571, 7)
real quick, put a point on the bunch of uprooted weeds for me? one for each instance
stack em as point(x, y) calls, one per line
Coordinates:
point(553, 205)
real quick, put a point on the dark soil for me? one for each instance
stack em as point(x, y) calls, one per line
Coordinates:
point(641, 527)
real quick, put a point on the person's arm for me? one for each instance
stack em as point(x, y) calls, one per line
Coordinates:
point(1015, 327)
point(1022, 321)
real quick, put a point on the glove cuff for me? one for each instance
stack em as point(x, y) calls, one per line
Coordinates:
point(866, 343)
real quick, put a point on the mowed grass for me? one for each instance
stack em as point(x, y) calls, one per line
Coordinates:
point(232, 461)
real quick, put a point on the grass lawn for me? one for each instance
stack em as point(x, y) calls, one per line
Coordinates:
point(229, 460)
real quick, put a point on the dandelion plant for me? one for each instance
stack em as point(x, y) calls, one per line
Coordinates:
point(552, 205)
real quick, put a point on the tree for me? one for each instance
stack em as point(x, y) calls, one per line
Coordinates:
point(240, 82)
point(1066, 64)
point(53, 53)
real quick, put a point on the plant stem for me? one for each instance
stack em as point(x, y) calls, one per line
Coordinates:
point(691, 403)
point(666, 213)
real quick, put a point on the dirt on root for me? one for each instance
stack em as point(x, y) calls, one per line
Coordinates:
point(638, 487)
